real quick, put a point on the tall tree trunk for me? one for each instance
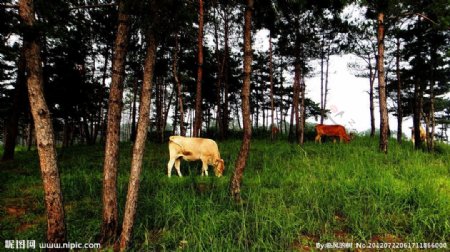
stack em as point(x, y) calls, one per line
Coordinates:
point(325, 95)
point(198, 98)
point(399, 94)
point(225, 112)
point(430, 137)
point(56, 229)
point(322, 61)
point(100, 127)
point(133, 110)
point(220, 67)
point(178, 83)
point(139, 145)
point(241, 161)
point(111, 162)
point(416, 114)
point(12, 123)
point(295, 101)
point(302, 110)
point(384, 123)
point(372, 76)
point(30, 132)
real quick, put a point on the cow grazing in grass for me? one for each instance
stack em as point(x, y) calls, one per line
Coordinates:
point(423, 134)
point(191, 149)
point(331, 131)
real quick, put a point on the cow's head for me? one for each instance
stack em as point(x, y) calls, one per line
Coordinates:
point(219, 166)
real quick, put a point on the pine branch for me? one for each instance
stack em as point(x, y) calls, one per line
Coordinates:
point(93, 6)
point(9, 6)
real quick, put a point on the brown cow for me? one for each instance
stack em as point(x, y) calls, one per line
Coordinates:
point(332, 131)
point(423, 134)
point(191, 149)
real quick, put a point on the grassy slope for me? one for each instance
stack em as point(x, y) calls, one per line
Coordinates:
point(295, 196)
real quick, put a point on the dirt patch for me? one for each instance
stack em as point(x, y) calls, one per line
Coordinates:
point(15, 211)
point(305, 243)
point(389, 238)
point(25, 226)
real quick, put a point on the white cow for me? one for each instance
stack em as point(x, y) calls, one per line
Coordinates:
point(191, 149)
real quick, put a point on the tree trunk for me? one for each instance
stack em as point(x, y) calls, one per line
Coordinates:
point(139, 146)
point(399, 94)
point(371, 99)
point(111, 163)
point(220, 69)
point(133, 110)
point(418, 94)
point(384, 123)
point(325, 95)
point(225, 115)
point(12, 123)
point(295, 101)
point(241, 161)
point(322, 59)
point(178, 84)
point(198, 98)
point(56, 229)
point(303, 110)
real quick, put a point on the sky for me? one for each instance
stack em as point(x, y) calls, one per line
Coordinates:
point(348, 97)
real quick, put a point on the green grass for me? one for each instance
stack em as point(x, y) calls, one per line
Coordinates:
point(293, 197)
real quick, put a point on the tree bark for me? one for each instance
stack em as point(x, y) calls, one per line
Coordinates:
point(178, 84)
point(241, 161)
point(295, 100)
point(56, 229)
point(111, 163)
point(198, 98)
point(302, 110)
point(384, 123)
point(399, 94)
point(139, 145)
point(225, 113)
point(133, 111)
point(371, 99)
point(12, 125)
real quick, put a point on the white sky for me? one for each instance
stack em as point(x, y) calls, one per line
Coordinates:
point(348, 97)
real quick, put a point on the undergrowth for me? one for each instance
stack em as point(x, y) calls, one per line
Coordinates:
point(294, 196)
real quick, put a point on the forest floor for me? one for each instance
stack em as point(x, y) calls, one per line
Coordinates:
point(294, 197)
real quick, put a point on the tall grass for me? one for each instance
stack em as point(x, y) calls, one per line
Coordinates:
point(294, 196)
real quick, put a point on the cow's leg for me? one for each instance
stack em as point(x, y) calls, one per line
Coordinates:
point(317, 139)
point(170, 166)
point(177, 166)
point(204, 168)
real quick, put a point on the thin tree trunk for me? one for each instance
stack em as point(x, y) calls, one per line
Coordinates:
point(198, 98)
point(303, 110)
point(241, 161)
point(56, 229)
point(166, 112)
point(295, 101)
point(371, 99)
point(399, 94)
point(322, 59)
point(133, 111)
point(325, 95)
point(384, 123)
point(139, 146)
point(12, 125)
point(111, 162)
point(178, 84)
point(30, 133)
point(430, 137)
point(220, 68)
point(225, 113)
